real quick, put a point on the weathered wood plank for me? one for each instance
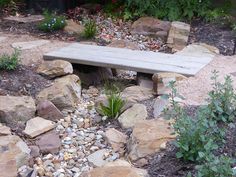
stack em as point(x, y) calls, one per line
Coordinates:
point(141, 61)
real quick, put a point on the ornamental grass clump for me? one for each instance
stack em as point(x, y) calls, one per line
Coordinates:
point(115, 104)
point(90, 29)
point(9, 62)
point(52, 22)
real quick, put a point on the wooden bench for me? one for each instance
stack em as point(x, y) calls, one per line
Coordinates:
point(127, 59)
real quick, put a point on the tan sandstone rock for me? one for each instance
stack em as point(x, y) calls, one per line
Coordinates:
point(120, 168)
point(148, 137)
point(64, 93)
point(161, 81)
point(116, 139)
point(38, 126)
point(55, 68)
point(73, 28)
point(131, 116)
point(178, 35)
point(151, 26)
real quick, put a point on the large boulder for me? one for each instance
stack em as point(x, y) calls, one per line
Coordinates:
point(14, 153)
point(120, 168)
point(64, 93)
point(151, 26)
point(133, 115)
point(178, 35)
point(147, 138)
point(55, 68)
point(47, 110)
point(16, 110)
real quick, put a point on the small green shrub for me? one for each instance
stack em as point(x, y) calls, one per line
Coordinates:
point(222, 101)
point(52, 22)
point(90, 29)
point(9, 62)
point(114, 106)
point(195, 140)
point(216, 167)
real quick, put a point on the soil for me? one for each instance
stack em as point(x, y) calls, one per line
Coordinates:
point(22, 81)
point(214, 34)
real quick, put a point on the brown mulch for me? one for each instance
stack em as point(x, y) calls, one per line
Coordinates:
point(22, 81)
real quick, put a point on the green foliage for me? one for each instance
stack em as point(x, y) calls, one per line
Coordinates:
point(216, 167)
point(199, 136)
point(171, 9)
point(52, 22)
point(222, 101)
point(90, 29)
point(9, 62)
point(114, 107)
point(195, 139)
point(4, 2)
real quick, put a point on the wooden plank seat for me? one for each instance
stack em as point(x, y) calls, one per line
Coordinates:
point(127, 59)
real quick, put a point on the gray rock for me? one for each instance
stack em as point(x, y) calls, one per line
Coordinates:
point(97, 158)
point(16, 110)
point(159, 105)
point(14, 153)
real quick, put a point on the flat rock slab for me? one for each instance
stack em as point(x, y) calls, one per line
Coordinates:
point(29, 45)
point(29, 19)
point(97, 158)
point(2, 39)
point(38, 126)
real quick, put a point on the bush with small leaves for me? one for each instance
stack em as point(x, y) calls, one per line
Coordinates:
point(216, 167)
point(9, 62)
point(90, 29)
point(52, 22)
point(222, 101)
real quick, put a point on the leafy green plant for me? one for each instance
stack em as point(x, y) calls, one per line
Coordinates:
point(52, 22)
point(195, 140)
point(216, 167)
point(171, 9)
point(9, 62)
point(90, 29)
point(222, 101)
point(114, 106)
